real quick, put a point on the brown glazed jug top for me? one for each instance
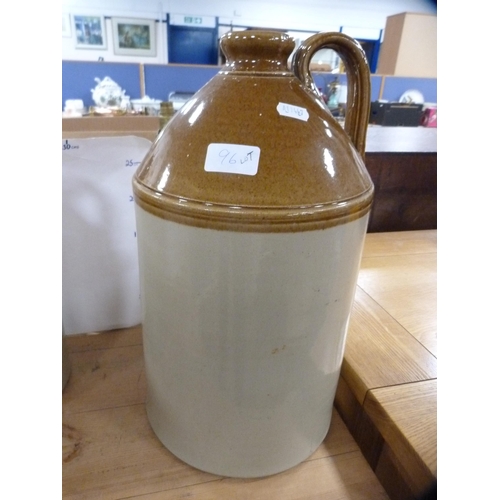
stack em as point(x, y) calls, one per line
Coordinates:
point(305, 171)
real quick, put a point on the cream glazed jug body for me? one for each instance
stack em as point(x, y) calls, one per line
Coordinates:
point(251, 209)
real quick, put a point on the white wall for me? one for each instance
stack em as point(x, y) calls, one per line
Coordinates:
point(358, 18)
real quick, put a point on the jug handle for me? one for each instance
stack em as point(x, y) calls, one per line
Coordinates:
point(358, 79)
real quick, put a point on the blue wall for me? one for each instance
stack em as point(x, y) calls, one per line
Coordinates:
point(395, 86)
point(78, 79)
point(161, 79)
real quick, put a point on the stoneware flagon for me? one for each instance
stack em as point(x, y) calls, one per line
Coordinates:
point(251, 209)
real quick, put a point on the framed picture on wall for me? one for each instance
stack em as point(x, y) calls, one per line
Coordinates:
point(66, 26)
point(90, 32)
point(134, 37)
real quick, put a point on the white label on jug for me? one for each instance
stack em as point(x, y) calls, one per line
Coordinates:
point(232, 159)
point(293, 111)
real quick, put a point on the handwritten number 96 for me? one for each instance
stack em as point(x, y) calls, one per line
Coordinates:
point(232, 158)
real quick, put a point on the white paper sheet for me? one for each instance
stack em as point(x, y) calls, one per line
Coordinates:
point(100, 276)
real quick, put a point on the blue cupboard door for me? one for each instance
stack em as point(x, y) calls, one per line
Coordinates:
point(192, 45)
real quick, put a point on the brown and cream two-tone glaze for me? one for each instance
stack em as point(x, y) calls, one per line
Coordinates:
point(310, 174)
point(251, 211)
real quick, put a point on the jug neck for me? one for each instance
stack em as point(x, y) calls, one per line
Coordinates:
point(257, 51)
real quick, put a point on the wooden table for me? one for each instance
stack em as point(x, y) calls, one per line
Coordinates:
point(387, 394)
point(386, 397)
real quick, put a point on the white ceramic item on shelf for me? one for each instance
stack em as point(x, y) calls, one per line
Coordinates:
point(107, 93)
point(73, 108)
point(412, 97)
point(147, 105)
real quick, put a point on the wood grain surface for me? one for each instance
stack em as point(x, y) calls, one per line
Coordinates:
point(110, 452)
point(387, 393)
point(406, 417)
point(380, 352)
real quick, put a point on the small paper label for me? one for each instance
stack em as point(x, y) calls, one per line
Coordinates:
point(293, 111)
point(232, 159)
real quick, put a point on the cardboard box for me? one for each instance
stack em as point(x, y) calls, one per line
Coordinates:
point(99, 247)
point(111, 126)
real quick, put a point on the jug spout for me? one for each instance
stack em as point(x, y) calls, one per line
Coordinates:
point(255, 50)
